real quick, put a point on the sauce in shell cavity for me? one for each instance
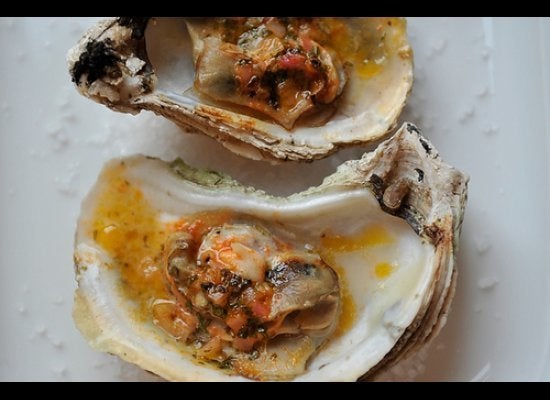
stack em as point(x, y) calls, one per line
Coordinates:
point(233, 290)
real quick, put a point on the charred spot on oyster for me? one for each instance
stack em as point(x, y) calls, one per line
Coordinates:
point(283, 68)
point(237, 288)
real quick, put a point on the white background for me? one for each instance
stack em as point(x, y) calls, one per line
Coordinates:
point(481, 94)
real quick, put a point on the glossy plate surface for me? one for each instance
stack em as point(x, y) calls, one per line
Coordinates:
point(482, 95)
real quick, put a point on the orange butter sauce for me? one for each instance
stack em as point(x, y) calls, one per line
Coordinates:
point(368, 61)
point(332, 245)
point(130, 230)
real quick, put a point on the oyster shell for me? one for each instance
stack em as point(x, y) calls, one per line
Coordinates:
point(358, 75)
point(387, 224)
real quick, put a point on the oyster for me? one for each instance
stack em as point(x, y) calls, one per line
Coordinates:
point(193, 276)
point(266, 88)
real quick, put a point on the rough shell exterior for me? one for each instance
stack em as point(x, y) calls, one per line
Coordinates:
point(111, 65)
point(409, 180)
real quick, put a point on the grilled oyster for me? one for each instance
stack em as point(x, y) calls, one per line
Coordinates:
point(194, 277)
point(267, 88)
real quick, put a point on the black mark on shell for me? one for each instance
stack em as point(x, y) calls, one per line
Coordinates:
point(413, 128)
point(420, 174)
point(136, 24)
point(96, 61)
point(401, 208)
point(377, 185)
point(425, 144)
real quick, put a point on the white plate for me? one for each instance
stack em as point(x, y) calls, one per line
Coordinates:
point(482, 95)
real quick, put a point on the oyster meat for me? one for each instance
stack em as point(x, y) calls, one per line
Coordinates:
point(266, 88)
point(192, 276)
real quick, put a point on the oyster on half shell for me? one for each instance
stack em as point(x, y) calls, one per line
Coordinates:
point(266, 88)
point(192, 276)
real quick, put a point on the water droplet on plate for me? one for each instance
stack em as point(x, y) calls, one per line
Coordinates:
point(440, 45)
point(58, 344)
point(482, 243)
point(61, 371)
point(41, 330)
point(22, 309)
point(491, 130)
point(487, 282)
point(21, 57)
point(483, 92)
point(58, 301)
point(60, 139)
point(466, 114)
